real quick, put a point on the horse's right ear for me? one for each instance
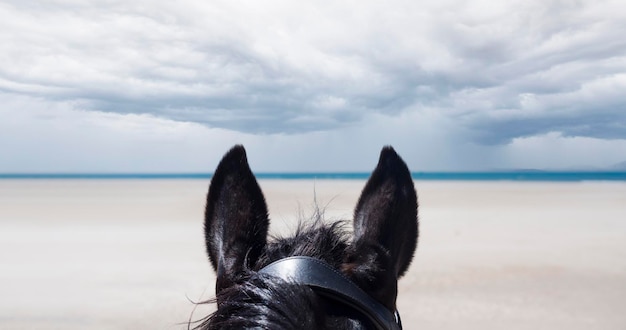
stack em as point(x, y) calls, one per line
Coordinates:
point(236, 220)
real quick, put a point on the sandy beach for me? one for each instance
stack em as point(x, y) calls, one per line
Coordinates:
point(129, 254)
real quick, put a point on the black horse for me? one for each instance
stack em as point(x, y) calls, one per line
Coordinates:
point(323, 277)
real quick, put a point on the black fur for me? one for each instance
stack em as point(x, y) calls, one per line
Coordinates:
point(377, 253)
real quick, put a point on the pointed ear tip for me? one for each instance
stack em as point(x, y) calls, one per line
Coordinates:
point(389, 155)
point(236, 154)
point(388, 151)
point(234, 159)
point(391, 162)
point(237, 149)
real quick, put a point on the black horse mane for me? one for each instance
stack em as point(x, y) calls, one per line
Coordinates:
point(262, 301)
point(315, 238)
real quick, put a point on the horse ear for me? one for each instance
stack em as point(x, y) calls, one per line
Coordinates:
point(385, 228)
point(236, 220)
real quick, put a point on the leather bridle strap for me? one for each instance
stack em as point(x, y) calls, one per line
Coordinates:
point(325, 280)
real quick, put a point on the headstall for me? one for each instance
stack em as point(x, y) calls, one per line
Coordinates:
point(328, 282)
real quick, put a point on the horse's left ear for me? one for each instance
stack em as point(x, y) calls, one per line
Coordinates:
point(236, 220)
point(385, 229)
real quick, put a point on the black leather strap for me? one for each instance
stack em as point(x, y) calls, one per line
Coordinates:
point(325, 280)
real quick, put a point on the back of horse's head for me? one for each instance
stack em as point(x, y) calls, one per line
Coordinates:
point(374, 256)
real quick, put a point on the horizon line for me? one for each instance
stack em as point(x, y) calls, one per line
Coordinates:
point(494, 175)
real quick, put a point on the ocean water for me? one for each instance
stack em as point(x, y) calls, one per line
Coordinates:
point(443, 176)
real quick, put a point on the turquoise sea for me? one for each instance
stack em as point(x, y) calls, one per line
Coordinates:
point(444, 176)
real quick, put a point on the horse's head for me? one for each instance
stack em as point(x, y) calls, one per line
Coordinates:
point(322, 277)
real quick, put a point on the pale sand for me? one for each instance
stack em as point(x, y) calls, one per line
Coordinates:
point(500, 255)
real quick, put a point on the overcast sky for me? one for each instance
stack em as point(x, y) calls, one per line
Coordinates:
point(169, 86)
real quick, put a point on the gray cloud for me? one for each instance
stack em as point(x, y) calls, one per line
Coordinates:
point(499, 71)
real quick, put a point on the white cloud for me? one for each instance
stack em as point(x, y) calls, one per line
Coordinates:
point(456, 85)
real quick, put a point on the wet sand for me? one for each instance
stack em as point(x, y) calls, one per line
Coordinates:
point(129, 254)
